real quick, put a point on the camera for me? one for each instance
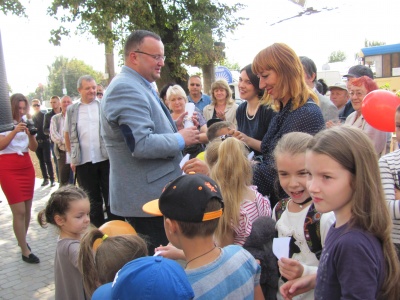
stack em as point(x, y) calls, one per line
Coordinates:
point(31, 126)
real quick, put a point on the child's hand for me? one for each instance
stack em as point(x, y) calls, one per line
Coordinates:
point(298, 286)
point(170, 252)
point(290, 268)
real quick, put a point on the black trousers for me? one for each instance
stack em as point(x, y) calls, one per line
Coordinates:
point(151, 230)
point(43, 155)
point(94, 179)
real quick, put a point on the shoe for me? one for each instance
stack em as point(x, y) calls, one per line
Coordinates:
point(31, 259)
point(45, 182)
point(52, 183)
point(27, 245)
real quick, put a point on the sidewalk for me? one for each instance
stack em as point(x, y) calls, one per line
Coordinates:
point(20, 280)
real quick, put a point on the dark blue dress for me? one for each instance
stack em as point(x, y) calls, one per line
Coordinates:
point(307, 118)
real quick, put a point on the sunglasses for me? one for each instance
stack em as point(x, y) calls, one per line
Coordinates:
point(99, 94)
point(36, 105)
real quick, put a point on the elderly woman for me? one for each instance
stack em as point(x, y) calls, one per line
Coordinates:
point(17, 176)
point(177, 100)
point(282, 77)
point(358, 89)
point(222, 105)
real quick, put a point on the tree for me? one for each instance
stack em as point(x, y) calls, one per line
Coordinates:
point(373, 43)
point(65, 73)
point(336, 56)
point(230, 65)
point(12, 6)
point(187, 28)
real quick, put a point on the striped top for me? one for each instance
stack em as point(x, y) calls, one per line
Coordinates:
point(390, 167)
point(233, 275)
point(250, 210)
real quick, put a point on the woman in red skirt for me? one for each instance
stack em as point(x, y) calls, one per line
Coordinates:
point(17, 176)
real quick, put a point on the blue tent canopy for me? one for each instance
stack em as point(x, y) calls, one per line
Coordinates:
point(377, 50)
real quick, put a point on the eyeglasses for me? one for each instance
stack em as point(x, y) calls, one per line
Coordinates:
point(156, 57)
point(194, 84)
point(99, 94)
point(36, 105)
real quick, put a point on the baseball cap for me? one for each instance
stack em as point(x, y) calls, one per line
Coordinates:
point(150, 277)
point(359, 71)
point(338, 85)
point(185, 199)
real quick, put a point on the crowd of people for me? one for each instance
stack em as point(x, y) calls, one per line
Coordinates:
point(287, 162)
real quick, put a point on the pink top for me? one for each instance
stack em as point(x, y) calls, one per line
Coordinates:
point(249, 211)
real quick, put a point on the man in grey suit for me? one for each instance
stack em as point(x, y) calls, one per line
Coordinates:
point(329, 110)
point(143, 142)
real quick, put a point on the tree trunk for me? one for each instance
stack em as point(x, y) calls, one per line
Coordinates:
point(109, 52)
point(208, 77)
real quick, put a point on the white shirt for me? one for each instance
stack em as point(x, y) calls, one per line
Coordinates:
point(18, 144)
point(89, 132)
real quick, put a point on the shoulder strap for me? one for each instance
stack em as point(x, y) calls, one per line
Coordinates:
point(280, 208)
point(312, 230)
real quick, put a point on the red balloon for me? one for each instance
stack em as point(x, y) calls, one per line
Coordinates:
point(378, 109)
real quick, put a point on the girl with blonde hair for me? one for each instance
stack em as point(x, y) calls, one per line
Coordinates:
point(359, 257)
point(232, 171)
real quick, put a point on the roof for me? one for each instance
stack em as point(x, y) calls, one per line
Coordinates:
point(385, 49)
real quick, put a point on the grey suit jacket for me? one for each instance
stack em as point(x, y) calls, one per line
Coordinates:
point(143, 150)
point(329, 110)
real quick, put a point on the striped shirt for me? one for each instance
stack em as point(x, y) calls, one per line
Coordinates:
point(233, 275)
point(250, 210)
point(390, 167)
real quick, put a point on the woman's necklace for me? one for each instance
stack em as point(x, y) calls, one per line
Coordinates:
point(302, 203)
point(215, 246)
point(247, 112)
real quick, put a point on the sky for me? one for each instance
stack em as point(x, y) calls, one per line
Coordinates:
point(343, 26)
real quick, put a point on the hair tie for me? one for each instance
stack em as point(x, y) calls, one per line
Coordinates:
point(104, 237)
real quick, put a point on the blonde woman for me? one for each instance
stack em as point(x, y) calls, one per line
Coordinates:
point(222, 105)
point(176, 98)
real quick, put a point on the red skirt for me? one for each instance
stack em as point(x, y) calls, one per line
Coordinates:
point(17, 177)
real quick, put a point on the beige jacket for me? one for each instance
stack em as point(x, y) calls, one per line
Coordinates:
point(230, 112)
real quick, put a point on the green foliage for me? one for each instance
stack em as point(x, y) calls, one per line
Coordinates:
point(12, 6)
point(69, 71)
point(386, 86)
point(373, 43)
point(337, 56)
point(188, 28)
point(230, 65)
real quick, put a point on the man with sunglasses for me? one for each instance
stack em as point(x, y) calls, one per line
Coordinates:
point(43, 149)
point(144, 144)
point(195, 96)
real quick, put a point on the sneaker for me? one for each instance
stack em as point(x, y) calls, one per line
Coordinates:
point(52, 183)
point(45, 182)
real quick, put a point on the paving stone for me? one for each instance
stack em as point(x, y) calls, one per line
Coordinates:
point(20, 280)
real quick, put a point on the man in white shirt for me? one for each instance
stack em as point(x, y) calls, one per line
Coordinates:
point(89, 158)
